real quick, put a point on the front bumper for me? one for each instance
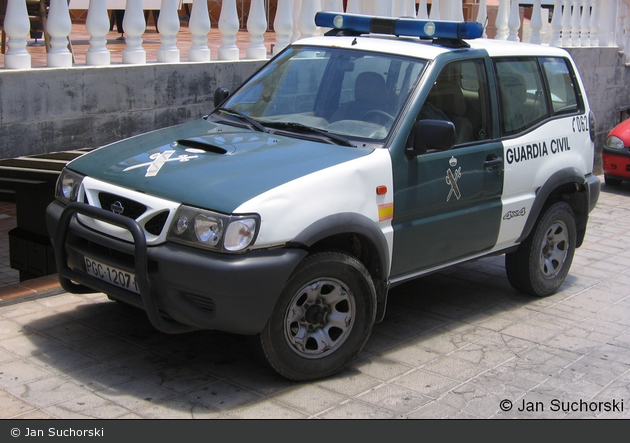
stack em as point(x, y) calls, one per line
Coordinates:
point(616, 164)
point(181, 288)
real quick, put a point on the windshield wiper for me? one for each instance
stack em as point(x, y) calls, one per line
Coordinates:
point(247, 119)
point(299, 127)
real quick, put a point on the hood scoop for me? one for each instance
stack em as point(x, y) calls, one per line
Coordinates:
point(200, 143)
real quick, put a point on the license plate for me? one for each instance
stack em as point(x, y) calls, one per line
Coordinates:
point(112, 275)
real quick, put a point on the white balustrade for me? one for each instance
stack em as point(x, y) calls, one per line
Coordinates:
point(134, 26)
point(168, 26)
point(58, 27)
point(199, 26)
point(16, 26)
point(575, 23)
point(228, 25)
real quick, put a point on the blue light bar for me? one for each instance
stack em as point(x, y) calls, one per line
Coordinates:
point(366, 24)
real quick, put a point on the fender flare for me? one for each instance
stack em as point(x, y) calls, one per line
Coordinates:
point(560, 178)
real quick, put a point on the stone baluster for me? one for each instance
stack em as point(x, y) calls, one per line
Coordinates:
point(566, 23)
point(482, 16)
point(168, 26)
point(199, 26)
point(423, 10)
point(97, 25)
point(621, 18)
point(134, 26)
point(501, 22)
point(536, 23)
point(585, 24)
point(283, 25)
point(457, 10)
point(353, 6)
point(228, 26)
point(435, 10)
point(306, 22)
point(16, 26)
point(58, 27)
point(382, 8)
point(297, 10)
point(398, 8)
point(410, 8)
point(514, 21)
point(256, 26)
point(575, 24)
point(594, 27)
point(556, 24)
point(335, 5)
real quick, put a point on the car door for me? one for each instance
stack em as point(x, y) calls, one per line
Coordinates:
point(448, 204)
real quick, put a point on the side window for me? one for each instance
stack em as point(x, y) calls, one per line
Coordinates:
point(521, 94)
point(564, 99)
point(460, 95)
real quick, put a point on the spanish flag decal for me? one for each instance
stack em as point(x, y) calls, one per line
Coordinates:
point(385, 212)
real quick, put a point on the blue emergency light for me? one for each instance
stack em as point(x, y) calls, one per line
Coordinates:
point(409, 27)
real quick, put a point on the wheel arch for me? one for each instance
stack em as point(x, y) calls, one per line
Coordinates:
point(568, 185)
point(358, 236)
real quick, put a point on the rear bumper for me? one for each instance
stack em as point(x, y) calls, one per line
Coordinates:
point(181, 288)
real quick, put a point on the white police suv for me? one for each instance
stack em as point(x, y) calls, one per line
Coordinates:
point(350, 163)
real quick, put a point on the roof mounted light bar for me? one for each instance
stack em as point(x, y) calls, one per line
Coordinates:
point(409, 27)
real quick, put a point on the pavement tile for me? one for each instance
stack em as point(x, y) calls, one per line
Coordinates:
point(309, 398)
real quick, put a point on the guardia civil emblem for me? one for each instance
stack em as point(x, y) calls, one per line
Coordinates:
point(452, 175)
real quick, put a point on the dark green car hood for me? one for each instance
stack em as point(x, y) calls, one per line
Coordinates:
point(209, 165)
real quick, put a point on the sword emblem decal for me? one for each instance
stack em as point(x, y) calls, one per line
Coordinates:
point(159, 160)
point(451, 179)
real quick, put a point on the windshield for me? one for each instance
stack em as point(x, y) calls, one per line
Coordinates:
point(352, 94)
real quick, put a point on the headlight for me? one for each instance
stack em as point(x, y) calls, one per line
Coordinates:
point(613, 142)
point(68, 185)
point(211, 230)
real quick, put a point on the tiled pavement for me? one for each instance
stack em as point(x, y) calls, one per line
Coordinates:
point(457, 344)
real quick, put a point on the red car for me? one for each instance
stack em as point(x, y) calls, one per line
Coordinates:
point(616, 155)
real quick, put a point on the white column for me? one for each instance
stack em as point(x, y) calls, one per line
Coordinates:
point(353, 7)
point(334, 5)
point(256, 26)
point(566, 23)
point(482, 16)
point(295, 13)
point(410, 8)
point(585, 24)
point(134, 26)
point(283, 25)
point(501, 22)
point(199, 26)
point(306, 22)
point(457, 10)
point(536, 23)
point(16, 26)
point(228, 25)
point(398, 8)
point(514, 22)
point(435, 10)
point(58, 27)
point(97, 25)
point(423, 10)
point(594, 27)
point(556, 24)
point(575, 24)
point(168, 25)
point(382, 8)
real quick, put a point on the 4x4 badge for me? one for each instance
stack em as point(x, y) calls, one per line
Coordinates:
point(452, 177)
point(159, 159)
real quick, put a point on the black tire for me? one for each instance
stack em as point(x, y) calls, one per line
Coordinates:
point(612, 181)
point(541, 263)
point(322, 319)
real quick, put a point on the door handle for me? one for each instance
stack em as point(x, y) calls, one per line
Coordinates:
point(493, 163)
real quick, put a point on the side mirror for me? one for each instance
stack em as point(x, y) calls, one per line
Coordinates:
point(220, 95)
point(432, 135)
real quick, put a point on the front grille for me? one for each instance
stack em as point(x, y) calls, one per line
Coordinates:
point(156, 224)
point(115, 203)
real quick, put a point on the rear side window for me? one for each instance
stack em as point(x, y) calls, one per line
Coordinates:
point(564, 98)
point(523, 101)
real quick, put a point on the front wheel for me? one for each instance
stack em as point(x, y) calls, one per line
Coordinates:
point(541, 263)
point(322, 319)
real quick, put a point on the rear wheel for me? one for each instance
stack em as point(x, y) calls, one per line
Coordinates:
point(322, 319)
point(541, 263)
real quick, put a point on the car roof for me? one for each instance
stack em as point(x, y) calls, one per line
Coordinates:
point(426, 49)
